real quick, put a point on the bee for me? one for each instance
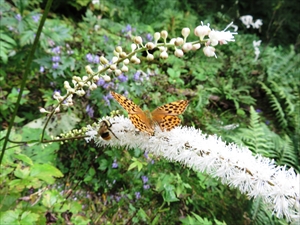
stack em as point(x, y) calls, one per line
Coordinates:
point(104, 130)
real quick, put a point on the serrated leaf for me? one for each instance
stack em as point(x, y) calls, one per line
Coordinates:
point(60, 123)
point(23, 158)
point(28, 217)
point(45, 172)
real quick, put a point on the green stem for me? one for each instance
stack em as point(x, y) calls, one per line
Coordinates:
point(27, 70)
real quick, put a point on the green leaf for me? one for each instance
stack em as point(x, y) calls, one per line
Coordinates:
point(22, 172)
point(28, 218)
point(61, 123)
point(45, 172)
point(24, 158)
point(10, 217)
point(169, 193)
point(50, 198)
point(137, 164)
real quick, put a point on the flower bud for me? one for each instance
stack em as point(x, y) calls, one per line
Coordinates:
point(185, 32)
point(187, 47)
point(164, 55)
point(118, 72)
point(106, 78)
point(124, 69)
point(114, 59)
point(67, 85)
point(209, 51)
point(42, 110)
point(89, 70)
point(172, 41)
point(133, 47)
point(100, 67)
point(135, 60)
point(123, 55)
point(156, 36)
point(196, 46)
point(178, 53)
point(202, 31)
point(179, 41)
point(96, 78)
point(113, 66)
point(126, 61)
point(164, 34)
point(150, 46)
point(150, 57)
point(93, 86)
point(118, 49)
point(138, 40)
point(103, 60)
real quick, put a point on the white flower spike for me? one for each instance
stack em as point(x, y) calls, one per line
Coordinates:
point(255, 176)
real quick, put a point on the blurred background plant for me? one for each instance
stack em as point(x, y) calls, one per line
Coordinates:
point(108, 185)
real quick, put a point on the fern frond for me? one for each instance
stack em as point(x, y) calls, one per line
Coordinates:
point(276, 106)
point(261, 140)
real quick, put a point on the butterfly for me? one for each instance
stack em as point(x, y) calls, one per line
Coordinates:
point(104, 130)
point(166, 116)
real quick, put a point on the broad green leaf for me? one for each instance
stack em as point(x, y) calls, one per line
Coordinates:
point(10, 217)
point(29, 218)
point(45, 172)
point(60, 123)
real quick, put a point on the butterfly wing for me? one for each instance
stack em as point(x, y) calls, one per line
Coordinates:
point(167, 115)
point(135, 113)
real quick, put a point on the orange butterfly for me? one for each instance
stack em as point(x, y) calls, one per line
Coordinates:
point(166, 116)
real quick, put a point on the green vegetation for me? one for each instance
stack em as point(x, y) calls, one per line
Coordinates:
point(253, 103)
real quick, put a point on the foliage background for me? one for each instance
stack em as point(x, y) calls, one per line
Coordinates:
point(110, 186)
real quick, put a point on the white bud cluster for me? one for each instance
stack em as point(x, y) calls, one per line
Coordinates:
point(119, 62)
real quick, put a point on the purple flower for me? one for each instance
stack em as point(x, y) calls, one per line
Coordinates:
point(146, 155)
point(146, 186)
point(89, 57)
point(96, 59)
point(127, 28)
point(56, 50)
point(258, 110)
point(56, 91)
point(122, 78)
point(137, 195)
point(105, 38)
point(149, 37)
point(36, 18)
point(55, 65)
point(136, 76)
point(89, 111)
point(145, 179)
point(42, 69)
point(100, 82)
point(268, 122)
point(106, 99)
point(118, 198)
point(55, 58)
point(18, 17)
point(115, 164)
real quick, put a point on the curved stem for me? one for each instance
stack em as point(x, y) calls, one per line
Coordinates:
point(27, 70)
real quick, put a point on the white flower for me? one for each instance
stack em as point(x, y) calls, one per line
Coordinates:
point(209, 51)
point(247, 20)
point(236, 166)
point(221, 37)
point(256, 49)
point(202, 31)
point(257, 24)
